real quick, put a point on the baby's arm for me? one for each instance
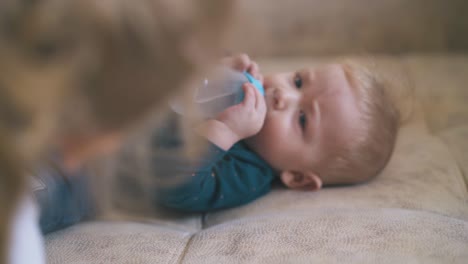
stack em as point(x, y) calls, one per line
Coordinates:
point(242, 120)
point(216, 180)
point(236, 122)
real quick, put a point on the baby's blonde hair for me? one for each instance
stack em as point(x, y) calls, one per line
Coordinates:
point(368, 152)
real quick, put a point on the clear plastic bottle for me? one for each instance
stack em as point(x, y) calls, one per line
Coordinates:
point(219, 92)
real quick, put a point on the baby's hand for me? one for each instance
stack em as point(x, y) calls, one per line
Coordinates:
point(242, 62)
point(247, 118)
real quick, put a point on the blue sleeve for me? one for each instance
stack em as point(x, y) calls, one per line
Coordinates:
point(218, 179)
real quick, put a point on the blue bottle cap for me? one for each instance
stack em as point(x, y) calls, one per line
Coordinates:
point(253, 81)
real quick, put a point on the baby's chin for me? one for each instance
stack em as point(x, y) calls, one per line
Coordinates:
point(254, 143)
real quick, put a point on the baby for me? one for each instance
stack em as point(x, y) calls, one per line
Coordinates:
point(333, 124)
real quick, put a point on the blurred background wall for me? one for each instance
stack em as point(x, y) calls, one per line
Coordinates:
point(326, 27)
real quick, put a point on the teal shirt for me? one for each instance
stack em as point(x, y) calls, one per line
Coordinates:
point(217, 179)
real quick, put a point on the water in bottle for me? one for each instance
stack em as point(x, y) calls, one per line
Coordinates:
point(222, 90)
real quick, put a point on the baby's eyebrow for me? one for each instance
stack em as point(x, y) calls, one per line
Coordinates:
point(317, 112)
point(348, 72)
point(307, 75)
point(316, 117)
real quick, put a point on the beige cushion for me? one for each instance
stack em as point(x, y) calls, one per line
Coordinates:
point(415, 211)
point(457, 141)
point(116, 242)
point(441, 84)
point(422, 175)
point(324, 235)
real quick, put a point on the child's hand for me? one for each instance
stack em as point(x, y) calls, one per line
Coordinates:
point(247, 118)
point(242, 62)
point(242, 120)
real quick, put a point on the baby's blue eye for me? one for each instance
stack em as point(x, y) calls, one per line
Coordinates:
point(302, 120)
point(298, 81)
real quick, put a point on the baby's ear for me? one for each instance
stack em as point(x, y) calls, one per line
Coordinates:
point(305, 181)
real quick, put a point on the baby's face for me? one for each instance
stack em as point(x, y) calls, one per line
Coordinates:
point(308, 113)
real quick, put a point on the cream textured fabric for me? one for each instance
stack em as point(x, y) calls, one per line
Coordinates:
point(441, 85)
point(416, 211)
point(456, 139)
point(114, 242)
point(422, 175)
point(334, 236)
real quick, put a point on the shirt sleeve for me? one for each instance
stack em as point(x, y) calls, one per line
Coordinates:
point(64, 198)
point(218, 179)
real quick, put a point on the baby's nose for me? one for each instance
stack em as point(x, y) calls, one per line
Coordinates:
point(278, 103)
point(283, 99)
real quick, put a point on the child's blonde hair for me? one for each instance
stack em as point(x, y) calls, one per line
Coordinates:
point(370, 150)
